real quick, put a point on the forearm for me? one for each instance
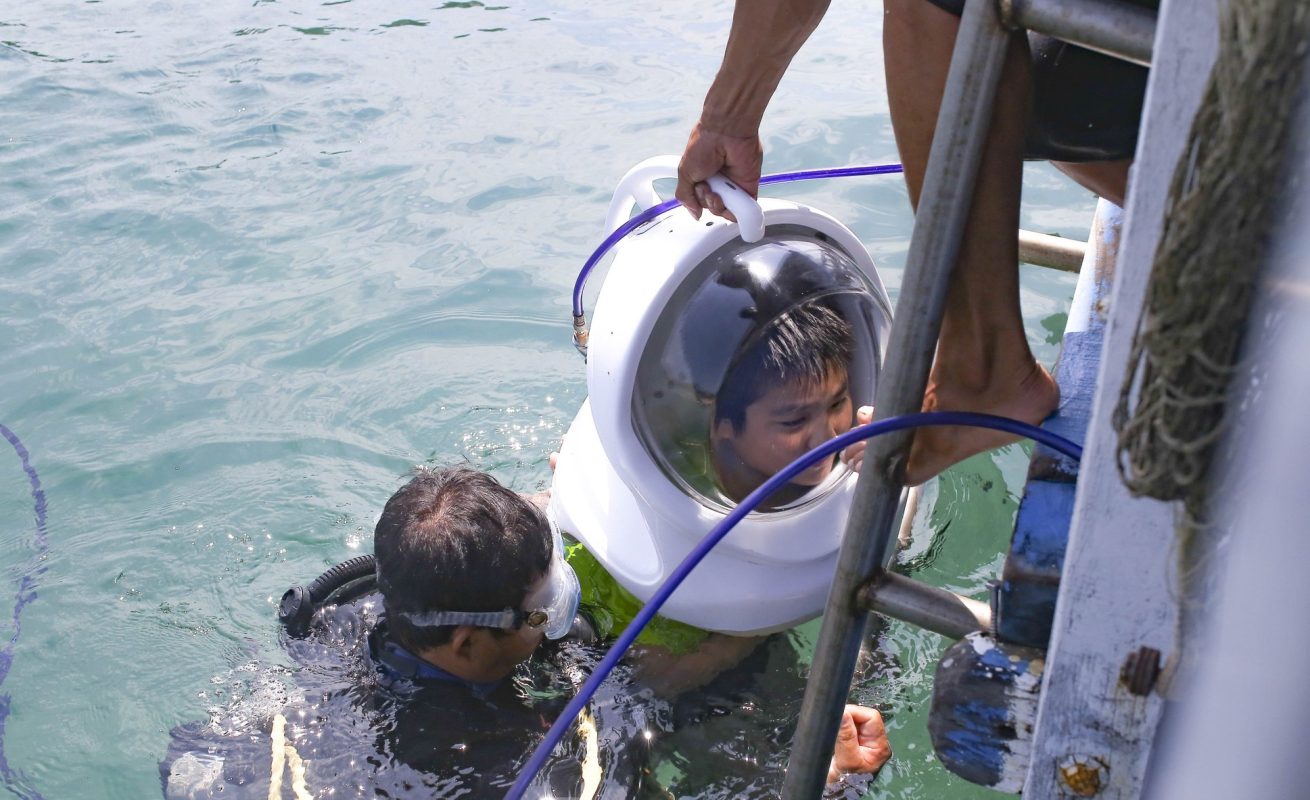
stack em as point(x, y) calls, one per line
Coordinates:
point(765, 36)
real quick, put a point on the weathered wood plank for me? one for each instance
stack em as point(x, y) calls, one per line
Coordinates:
point(1115, 592)
point(1251, 682)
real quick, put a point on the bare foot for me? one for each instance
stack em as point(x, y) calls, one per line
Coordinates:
point(1030, 398)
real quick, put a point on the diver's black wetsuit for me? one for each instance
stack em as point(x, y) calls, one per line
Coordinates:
point(367, 719)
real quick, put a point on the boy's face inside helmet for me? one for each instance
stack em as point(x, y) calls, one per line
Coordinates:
point(788, 329)
point(783, 423)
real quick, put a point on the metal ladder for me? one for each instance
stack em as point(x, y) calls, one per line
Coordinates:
point(862, 582)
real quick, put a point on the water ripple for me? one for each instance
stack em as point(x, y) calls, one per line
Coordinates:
point(260, 259)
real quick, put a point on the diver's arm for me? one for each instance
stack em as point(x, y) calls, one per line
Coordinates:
point(765, 35)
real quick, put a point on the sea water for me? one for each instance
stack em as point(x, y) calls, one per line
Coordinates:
point(259, 259)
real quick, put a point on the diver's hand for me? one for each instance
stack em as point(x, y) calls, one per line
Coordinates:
point(861, 745)
point(739, 158)
point(553, 459)
point(854, 455)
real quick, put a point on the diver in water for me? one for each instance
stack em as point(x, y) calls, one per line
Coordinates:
point(437, 693)
point(424, 688)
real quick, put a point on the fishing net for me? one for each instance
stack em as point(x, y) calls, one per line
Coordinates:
point(1178, 397)
point(1192, 379)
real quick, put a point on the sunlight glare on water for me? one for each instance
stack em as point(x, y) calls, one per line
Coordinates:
point(261, 258)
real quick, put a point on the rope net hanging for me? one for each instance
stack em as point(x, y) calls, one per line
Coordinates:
point(1224, 204)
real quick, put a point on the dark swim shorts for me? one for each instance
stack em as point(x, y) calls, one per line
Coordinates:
point(1086, 106)
point(956, 7)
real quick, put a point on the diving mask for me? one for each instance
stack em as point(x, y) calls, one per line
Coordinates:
point(554, 604)
point(550, 607)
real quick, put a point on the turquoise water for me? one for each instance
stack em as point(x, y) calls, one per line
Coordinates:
point(257, 260)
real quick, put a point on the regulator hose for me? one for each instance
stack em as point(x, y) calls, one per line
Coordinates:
point(344, 582)
point(825, 450)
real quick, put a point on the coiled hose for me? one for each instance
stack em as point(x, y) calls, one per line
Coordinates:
point(342, 583)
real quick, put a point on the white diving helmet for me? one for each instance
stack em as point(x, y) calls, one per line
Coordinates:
point(712, 363)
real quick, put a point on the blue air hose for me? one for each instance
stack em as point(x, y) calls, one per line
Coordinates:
point(654, 211)
point(14, 780)
point(827, 449)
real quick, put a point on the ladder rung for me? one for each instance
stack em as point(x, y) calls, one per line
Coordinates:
point(1045, 250)
point(928, 607)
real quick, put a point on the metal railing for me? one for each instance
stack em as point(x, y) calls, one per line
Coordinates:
point(1114, 27)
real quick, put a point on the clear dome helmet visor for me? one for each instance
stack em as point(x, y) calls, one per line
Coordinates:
point(763, 352)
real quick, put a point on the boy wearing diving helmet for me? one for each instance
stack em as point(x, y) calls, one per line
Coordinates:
point(787, 394)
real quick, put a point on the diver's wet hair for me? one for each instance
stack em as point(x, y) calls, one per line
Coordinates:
point(804, 345)
point(456, 540)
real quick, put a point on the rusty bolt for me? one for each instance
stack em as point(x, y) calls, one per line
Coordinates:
point(1082, 775)
point(1140, 670)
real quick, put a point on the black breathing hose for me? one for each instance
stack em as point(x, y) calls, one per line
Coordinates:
point(299, 603)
